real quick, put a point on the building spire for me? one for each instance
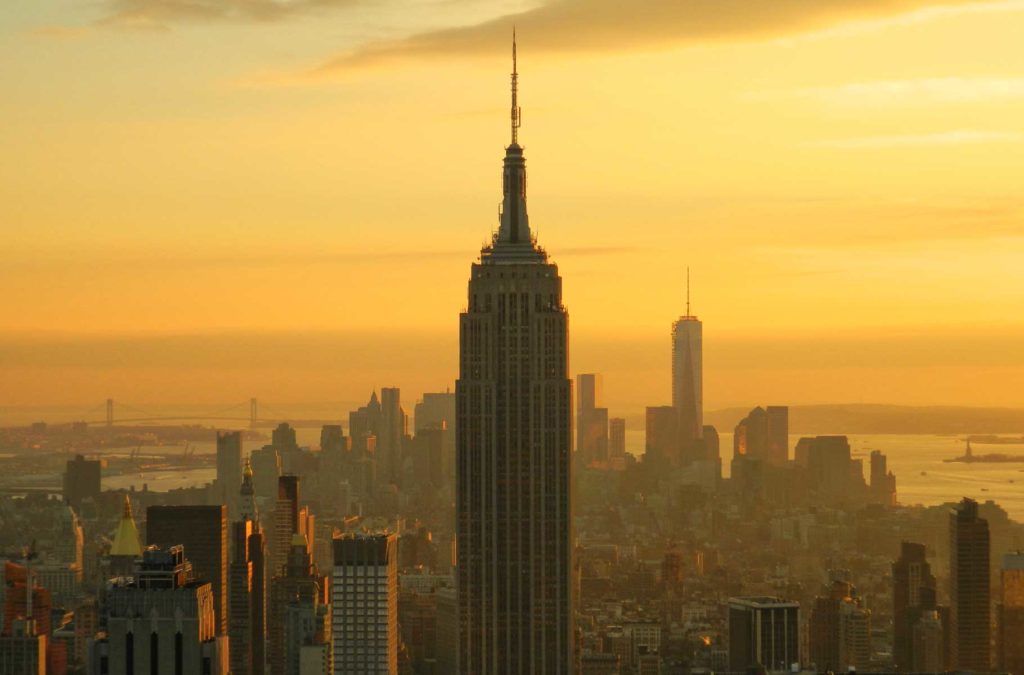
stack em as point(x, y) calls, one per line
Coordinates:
point(688, 291)
point(517, 114)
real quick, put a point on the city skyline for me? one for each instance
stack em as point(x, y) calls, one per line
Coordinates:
point(801, 186)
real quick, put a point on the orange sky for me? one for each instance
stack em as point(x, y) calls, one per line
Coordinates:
point(214, 200)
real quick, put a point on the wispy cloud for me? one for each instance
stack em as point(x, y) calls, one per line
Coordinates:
point(603, 25)
point(159, 13)
point(956, 137)
point(924, 91)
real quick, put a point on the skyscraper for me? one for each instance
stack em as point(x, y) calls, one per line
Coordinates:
point(591, 419)
point(763, 632)
point(764, 435)
point(300, 625)
point(394, 426)
point(662, 435)
point(229, 470)
point(247, 623)
point(364, 604)
point(514, 416)
point(840, 629)
point(81, 481)
point(969, 590)
point(687, 373)
point(913, 595)
point(616, 437)
point(203, 531)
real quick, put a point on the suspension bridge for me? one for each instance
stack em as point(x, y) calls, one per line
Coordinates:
point(259, 415)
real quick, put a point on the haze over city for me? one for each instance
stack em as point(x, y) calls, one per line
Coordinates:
point(207, 201)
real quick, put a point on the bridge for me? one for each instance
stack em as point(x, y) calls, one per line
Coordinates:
point(233, 413)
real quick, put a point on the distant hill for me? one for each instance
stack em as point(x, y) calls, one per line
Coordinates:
point(885, 419)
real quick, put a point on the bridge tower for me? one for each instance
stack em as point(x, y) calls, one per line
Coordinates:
point(110, 412)
point(253, 412)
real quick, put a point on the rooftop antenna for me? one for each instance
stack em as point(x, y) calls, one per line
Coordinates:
point(516, 112)
point(688, 291)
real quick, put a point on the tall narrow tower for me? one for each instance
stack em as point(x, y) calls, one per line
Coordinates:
point(514, 416)
point(687, 373)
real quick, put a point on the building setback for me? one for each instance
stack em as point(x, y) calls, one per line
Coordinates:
point(162, 621)
point(514, 426)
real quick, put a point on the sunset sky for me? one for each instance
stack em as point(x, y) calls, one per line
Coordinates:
point(207, 200)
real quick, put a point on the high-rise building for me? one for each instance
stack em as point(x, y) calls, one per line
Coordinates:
point(591, 419)
point(969, 592)
point(394, 428)
point(247, 575)
point(229, 470)
point(162, 621)
point(514, 426)
point(840, 629)
point(1011, 614)
point(81, 481)
point(437, 411)
point(913, 590)
point(662, 435)
point(289, 518)
point(763, 632)
point(828, 463)
point(687, 373)
point(364, 604)
point(203, 531)
point(616, 437)
point(883, 481)
point(763, 435)
point(300, 630)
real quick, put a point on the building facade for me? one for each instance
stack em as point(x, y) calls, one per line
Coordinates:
point(364, 604)
point(763, 632)
point(162, 621)
point(969, 592)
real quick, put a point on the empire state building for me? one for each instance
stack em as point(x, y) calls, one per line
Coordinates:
point(513, 411)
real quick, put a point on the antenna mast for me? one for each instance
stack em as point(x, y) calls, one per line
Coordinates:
point(516, 112)
point(688, 291)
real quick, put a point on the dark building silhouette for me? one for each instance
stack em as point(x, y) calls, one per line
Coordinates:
point(662, 444)
point(763, 632)
point(299, 611)
point(229, 469)
point(393, 430)
point(81, 481)
point(616, 438)
point(203, 531)
point(969, 592)
point(883, 481)
point(247, 574)
point(764, 435)
point(514, 417)
point(913, 590)
point(591, 419)
point(840, 629)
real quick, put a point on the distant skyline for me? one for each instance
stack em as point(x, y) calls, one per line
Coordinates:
point(214, 200)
